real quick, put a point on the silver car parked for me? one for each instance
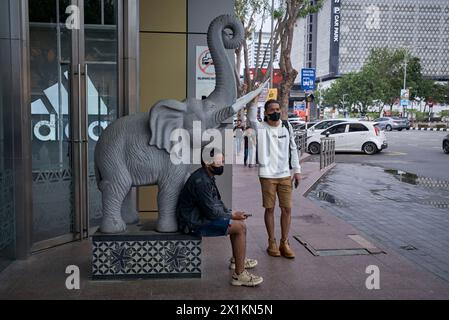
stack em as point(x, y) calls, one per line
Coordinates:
point(393, 123)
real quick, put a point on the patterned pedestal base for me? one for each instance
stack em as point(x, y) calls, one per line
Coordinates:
point(145, 254)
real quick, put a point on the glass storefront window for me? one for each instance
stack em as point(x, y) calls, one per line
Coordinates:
point(56, 164)
point(50, 57)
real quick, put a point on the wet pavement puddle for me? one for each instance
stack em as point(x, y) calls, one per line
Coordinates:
point(405, 212)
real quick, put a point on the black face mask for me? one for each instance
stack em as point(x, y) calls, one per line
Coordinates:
point(276, 116)
point(217, 171)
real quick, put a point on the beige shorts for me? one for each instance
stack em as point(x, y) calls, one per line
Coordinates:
point(280, 186)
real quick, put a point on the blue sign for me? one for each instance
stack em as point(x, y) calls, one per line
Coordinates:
point(299, 106)
point(405, 95)
point(308, 77)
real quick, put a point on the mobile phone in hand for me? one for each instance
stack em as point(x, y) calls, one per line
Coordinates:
point(248, 215)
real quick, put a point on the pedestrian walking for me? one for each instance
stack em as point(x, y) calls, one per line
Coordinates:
point(250, 145)
point(238, 136)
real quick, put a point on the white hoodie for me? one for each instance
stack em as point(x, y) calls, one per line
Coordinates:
point(276, 145)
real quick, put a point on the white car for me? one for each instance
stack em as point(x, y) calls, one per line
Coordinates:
point(324, 124)
point(351, 136)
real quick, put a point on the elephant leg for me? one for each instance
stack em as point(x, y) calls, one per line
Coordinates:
point(113, 195)
point(129, 212)
point(169, 190)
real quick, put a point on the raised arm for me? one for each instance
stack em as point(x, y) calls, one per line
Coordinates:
point(252, 117)
point(294, 151)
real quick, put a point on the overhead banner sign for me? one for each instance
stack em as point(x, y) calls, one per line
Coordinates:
point(405, 97)
point(335, 37)
point(205, 72)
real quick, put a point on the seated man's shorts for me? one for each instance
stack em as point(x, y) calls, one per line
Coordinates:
point(280, 186)
point(215, 228)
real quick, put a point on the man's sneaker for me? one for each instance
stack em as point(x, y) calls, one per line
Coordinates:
point(249, 263)
point(246, 279)
point(273, 249)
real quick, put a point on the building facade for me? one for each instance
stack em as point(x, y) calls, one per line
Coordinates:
point(338, 39)
point(259, 51)
point(68, 69)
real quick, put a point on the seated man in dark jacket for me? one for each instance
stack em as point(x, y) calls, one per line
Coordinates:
point(201, 212)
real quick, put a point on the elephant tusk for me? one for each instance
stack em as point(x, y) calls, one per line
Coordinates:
point(243, 101)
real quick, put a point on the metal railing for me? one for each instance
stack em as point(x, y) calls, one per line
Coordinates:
point(301, 141)
point(327, 154)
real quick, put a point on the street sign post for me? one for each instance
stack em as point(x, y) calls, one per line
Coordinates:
point(308, 77)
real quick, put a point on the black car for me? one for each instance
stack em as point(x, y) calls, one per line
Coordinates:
point(446, 144)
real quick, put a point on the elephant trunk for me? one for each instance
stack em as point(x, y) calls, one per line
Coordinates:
point(221, 115)
point(224, 113)
point(225, 92)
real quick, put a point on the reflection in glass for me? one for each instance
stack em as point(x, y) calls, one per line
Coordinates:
point(50, 56)
point(101, 58)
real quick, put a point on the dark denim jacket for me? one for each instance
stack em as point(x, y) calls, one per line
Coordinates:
point(200, 202)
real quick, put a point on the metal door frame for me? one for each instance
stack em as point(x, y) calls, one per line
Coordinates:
point(78, 128)
point(129, 96)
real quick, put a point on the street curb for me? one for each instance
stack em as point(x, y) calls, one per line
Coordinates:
point(323, 173)
point(304, 157)
point(429, 129)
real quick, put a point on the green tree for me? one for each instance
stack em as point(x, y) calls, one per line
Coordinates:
point(248, 11)
point(352, 90)
point(285, 14)
point(380, 80)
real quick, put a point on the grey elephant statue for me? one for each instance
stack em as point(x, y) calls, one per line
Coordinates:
point(135, 150)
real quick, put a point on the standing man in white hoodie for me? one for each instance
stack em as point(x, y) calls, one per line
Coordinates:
point(278, 155)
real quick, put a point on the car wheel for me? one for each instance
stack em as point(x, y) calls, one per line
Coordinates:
point(400, 129)
point(370, 148)
point(314, 148)
point(446, 147)
point(389, 128)
point(408, 128)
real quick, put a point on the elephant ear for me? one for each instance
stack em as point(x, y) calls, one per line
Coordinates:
point(165, 117)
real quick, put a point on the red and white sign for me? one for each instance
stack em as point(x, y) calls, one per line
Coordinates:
point(205, 72)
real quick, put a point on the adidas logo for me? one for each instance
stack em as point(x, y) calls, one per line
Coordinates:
point(47, 130)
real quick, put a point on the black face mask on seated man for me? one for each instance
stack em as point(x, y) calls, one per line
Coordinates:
point(217, 171)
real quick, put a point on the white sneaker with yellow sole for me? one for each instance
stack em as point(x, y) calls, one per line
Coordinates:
point(249, 263)
point(246, 279)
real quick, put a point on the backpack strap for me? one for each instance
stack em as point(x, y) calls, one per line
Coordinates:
point(286, 124)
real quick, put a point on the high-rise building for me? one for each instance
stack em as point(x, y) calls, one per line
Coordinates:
point(338, 39)
point(259, 51)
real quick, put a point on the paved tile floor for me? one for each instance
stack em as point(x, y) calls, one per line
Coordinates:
point(400, 211)
point(306, 277)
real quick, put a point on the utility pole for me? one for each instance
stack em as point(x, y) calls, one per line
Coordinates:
point(405, 69)
point(405, 80)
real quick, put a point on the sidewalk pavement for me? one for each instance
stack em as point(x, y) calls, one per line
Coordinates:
point(306, 277)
